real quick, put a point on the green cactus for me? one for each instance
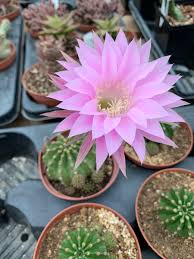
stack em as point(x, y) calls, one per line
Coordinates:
point(98, 177)
point(110, 241)
point(110, 25)
point(176, 211)
point(175, 11)
point(168, 130)
point(78, 181)
point(5, 49)
point(59, 159)
point(83, 243)
point(152, 148)
point(58, 26)
point(89, 187)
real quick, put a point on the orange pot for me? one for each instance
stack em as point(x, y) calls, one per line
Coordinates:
point(53, 191)
point(12, 15)
point(73, 209)
point(5, 63)
point(157, 167)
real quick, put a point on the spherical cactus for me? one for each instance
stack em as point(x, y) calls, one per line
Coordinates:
point(152, 148)
point(59, 160)
point(88, 187)
point(98, 177)
point(5, 26)
point(78, 181)
point(110, 241)
point(176, 211)
point(83, 243)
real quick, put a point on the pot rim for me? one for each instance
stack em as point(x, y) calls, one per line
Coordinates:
point(5, 63)
point(152, 176)
point(11, 15)
point(72, 209)
point(158, 167)
point(53, 191)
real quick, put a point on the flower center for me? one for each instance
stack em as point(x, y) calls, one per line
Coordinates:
point(113, 99)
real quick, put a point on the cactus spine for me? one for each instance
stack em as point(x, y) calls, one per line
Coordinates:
point(83, 243)
point(4, 42)
point(176, 211)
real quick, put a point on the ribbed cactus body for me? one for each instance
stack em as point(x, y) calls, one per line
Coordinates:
point(83, 243)
point(176, 211)
point(59, 158)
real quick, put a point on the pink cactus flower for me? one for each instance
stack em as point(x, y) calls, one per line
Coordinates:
point(115, 95)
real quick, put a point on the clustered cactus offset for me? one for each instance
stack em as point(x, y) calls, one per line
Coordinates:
point(87, 11)
point(153, 148)
point(59, 159)
point(36, 14)
point(5, 49)
point(85, 243)
point(110, 25)
point(7, 6)
point(176, 211)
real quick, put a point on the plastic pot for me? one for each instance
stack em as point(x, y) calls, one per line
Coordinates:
point(137, 212)
point(53, 191)
point(5, 63)
point(157, 167)
point(39, 98)
point(73, 209)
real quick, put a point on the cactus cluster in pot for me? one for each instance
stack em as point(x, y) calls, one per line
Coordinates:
point(5, 49)
point(7, 6)
point(36, 14)
point(87, 11)
point(59, 159)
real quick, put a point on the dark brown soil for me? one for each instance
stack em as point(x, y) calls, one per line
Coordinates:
point(167, 244)
point(90, 217)
point(108, 168)
point(38, 82)
point(188, 12)
point(167, 154)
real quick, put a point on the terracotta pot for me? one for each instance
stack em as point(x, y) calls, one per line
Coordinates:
point(74, 209)
point(39, 98)
point(149, 179)
point(86, 27)
point(12, 15)
point(5, 63)
point(53, 191)
point(157, 167)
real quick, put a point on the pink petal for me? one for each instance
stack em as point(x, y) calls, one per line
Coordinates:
point(82, 125)
point(61, 95)
point(98, 126)
point(84, 149)
point(66, 75)
point(121, 41)
point(81, 86)
point(110, 124)
point(126, 129)
point(145, 52)
point(59, 82)
point(67, 123)
point(150, 90)
point(171, 79)
point(109, 60)
point(119, 157)
point(98, 43)
point(137, 116)
point(90, 108)
point(177, 104)
point(165, 141)
point(101, 152)
point(154, 128)
point(151, 109)
point(130, 58)
point(139, 146)
point(89, 75)
point(69, 59)
point(172, 117)
point(113, 142)
point(57, 114)
point(166, 98)
point(67, 65)
point(74, 103)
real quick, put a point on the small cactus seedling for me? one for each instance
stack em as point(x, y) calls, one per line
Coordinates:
point(59, 158)
point(83, 243)
point(59, 27)
point(176, 211)
point(110, 241)
point(152, 148)
point(175, 11)
point(5, 49)
point(168, 130)
point(109, 25)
